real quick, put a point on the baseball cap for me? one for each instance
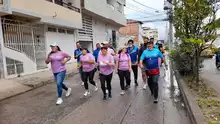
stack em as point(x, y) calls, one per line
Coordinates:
point(105, 42)
point(130, 41)
point(53, 44)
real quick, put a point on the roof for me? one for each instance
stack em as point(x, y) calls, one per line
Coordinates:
point(129, 21)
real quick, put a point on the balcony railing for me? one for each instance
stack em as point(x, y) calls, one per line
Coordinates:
point(66, 5)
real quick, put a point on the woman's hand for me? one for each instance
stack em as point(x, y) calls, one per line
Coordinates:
point(130, 70)
point(64, 62)
point(48, 60)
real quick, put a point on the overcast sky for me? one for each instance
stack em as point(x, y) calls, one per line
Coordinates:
point(134, 10)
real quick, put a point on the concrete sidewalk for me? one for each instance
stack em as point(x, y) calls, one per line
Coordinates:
point(15, 86)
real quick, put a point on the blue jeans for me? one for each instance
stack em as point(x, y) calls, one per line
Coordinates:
point(59, 78)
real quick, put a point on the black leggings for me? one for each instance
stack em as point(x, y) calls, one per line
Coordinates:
point(124, 75)
point(90, 76)
point(107, 79)
point(135, 71)
point(153, 84)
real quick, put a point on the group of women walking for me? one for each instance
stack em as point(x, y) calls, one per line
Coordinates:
point(106, 61)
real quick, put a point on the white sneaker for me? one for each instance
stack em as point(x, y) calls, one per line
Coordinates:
point(145, 86)
point(86, 93)
point(68, 92)
point(59, 101)
point(82, 83)
point(96, 88)
point(122, 92)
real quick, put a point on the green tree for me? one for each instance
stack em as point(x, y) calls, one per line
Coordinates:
point(195, 24)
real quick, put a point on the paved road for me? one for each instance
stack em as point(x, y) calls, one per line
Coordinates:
point(210, 73)
point(136, 107)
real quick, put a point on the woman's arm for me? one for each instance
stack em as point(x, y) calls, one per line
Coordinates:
point(67, 58)
point(129, 63)
point(48, 60)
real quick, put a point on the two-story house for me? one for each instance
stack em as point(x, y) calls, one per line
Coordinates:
point(101, 21)
point(27, 27)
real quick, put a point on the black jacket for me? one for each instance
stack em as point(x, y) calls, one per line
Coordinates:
point(141, 50)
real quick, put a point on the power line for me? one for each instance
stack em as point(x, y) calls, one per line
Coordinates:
point(150, 16)
point(138, 10)
point(130, 4)
point(146, 6)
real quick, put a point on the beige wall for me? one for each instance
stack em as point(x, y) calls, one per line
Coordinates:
point(106, 10)
point(46, 10)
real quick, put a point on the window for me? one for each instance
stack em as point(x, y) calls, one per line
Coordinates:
point(69, 31)
point(50, 0)
point(51, 29)
point(61, 30)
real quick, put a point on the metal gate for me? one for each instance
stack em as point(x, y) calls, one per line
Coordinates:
point(25, 38)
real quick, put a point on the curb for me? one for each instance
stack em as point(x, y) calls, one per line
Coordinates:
point(195, 113)
point(41, 84)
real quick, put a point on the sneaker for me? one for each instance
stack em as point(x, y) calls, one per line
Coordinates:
point(105, 97)
point(127, 87)
point(59, 101)
point(96, 88)
point(156, 101)
point(122, 92)
point(136, 84)
point(145, 86)
point(82, 83)
point(109, 95)
point(86, 93)
point(68, 92)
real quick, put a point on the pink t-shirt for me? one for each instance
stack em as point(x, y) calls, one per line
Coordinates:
point(87, 67)
point(104, 68)
point(56, 64)
point(123, 63)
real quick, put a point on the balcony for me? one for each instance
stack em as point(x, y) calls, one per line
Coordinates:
point(107, 11)
point(56, 12)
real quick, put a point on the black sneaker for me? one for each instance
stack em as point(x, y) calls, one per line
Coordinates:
point(109, 95)
point(104, 97)
point(136, 84)
point(156, 101)
point(127, 87)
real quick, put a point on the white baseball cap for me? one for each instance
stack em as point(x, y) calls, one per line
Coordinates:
point(105, 42)
point(53, 44)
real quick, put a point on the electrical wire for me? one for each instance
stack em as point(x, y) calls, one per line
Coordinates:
point(138, 10)
point(142, 9)
point(149, 16)
point(146, 6)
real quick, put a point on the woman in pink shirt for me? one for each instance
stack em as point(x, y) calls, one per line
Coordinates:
point(106, 64)
point(58, 59)
point(123, 68)
point(87, 61)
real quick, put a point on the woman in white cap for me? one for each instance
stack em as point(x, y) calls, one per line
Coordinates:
point(58, 59)
point(123, 68)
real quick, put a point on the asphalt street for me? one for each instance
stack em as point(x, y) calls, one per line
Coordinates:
point(135, 107)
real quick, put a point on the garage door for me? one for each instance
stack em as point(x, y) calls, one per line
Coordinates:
point(65, 41)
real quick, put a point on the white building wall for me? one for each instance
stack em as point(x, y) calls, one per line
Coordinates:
point(102, 31)
point(66, 42)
